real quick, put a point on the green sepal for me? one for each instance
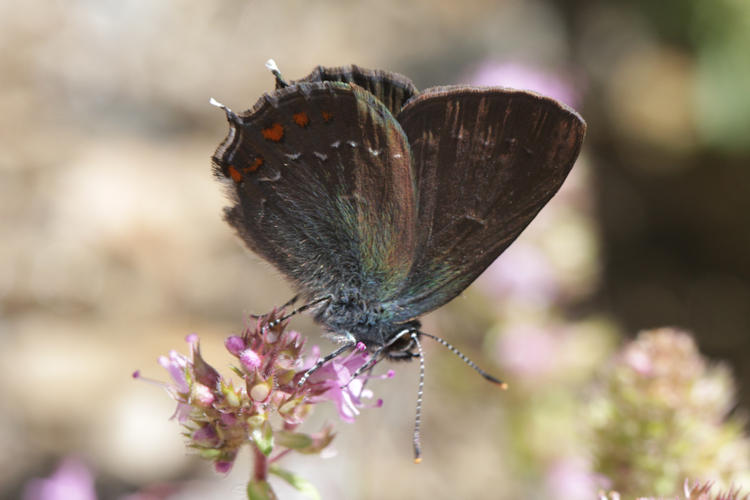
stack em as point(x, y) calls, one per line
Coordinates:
point(263, 438)
point(208, 453)
point(260, 490)
point(204, 373)
point(285, 377)
point(230, 395)
point(302, 485)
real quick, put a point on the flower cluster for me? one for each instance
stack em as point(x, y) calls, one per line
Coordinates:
point(665, 415)
point(268, 405)
point(696, 491)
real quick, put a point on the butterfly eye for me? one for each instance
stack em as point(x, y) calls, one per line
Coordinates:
point(401, 345)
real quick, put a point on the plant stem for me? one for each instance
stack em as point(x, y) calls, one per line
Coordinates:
point(260, 469)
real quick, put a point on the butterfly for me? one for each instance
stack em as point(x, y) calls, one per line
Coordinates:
point(381, 203)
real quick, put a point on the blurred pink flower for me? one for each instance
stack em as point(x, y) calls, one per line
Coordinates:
point(524, 273)
point(571, 478)
point(528, 350)
point(525, 77)
point(71, 480)
point(639, 361)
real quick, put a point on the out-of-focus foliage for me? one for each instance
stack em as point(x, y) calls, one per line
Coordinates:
point(719, 34)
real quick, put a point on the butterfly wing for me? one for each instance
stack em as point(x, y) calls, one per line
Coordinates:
point(392, 89)
point(321, 184)
point(486, 160)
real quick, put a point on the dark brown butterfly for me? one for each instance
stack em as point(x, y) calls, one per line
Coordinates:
point(381, 203)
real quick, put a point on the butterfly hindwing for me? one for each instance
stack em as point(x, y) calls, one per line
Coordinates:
point(322, 187)
point(392, 89)
point(486, 161)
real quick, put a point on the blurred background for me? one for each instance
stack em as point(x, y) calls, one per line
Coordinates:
point(112, 247)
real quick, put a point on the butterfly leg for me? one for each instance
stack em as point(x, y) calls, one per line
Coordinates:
point(300, 309)
point(286, 304)
point(290, 302)
point(369, 366)
point(325, 360)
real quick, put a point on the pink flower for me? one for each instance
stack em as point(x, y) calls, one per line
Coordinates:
point(176, 364)
point(338, 387)
point(572, 479)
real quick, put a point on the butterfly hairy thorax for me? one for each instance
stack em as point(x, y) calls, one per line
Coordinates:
point(380, 202)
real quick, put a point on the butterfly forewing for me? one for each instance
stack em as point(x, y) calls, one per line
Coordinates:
point(486, 161)
point(322, 185)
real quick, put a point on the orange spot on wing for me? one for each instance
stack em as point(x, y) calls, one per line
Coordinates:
point(273, 133)
point(234, 174)
point(255, 165)
point(326, 116)
point(301, 119)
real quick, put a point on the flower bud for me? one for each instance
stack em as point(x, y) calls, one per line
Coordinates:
point(234, 344)
point(260, 392)
point(205, 436)
point(202, 394)
point(250, 359)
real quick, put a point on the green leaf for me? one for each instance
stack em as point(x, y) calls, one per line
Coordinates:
point(263, 438)
point(302, 485)
point(260, 490)
point(293, 440)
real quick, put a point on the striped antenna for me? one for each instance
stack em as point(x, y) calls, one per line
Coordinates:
point(420, 391)
point(466, 360)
